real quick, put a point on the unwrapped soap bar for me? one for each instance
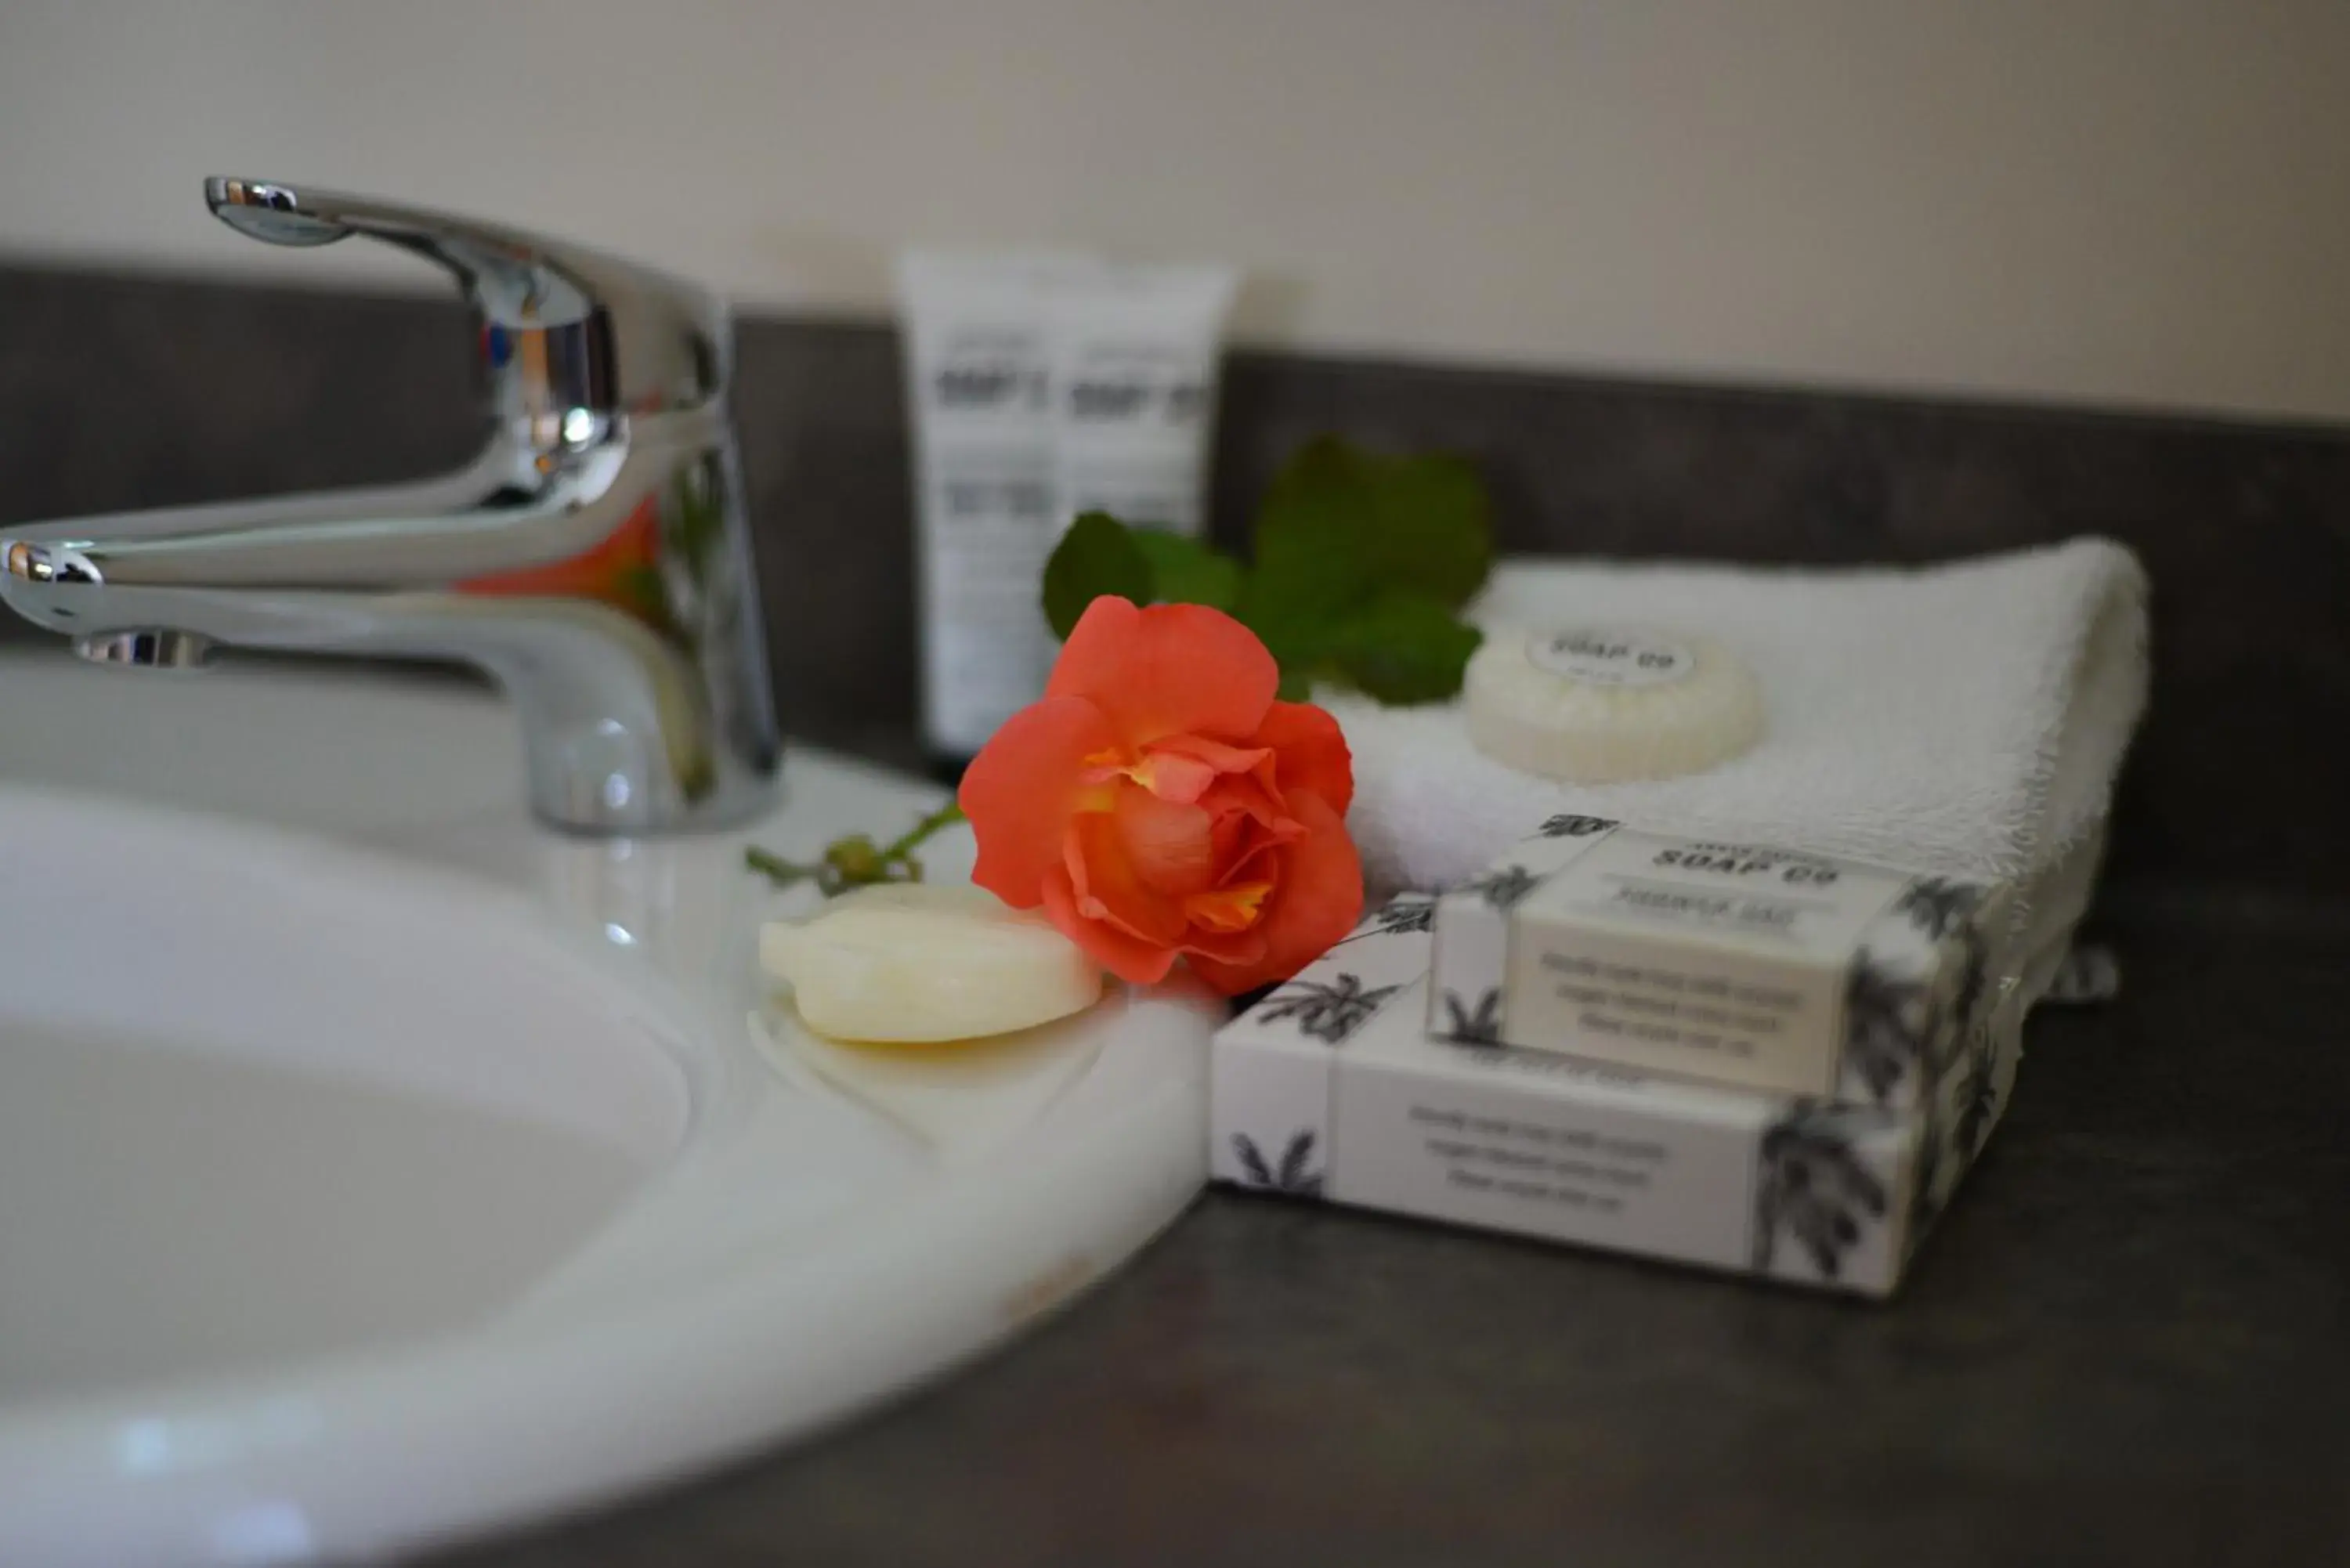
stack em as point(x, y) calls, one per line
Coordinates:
point(913, 964)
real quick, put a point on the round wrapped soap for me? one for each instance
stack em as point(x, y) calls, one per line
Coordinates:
point(1609, 705)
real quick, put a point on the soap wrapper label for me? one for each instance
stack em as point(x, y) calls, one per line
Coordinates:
point(1728, 963)
point(1611, 658)
point(1713, 961)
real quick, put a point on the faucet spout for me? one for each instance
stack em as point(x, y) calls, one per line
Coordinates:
point(593, 559)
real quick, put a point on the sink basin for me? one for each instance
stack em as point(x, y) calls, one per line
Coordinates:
point(256, 1103)
point(377, 1168)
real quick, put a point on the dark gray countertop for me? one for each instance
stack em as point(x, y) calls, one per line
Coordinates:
point(2128, 1341)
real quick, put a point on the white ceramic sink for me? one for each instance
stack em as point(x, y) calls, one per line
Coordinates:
point(376, 1168)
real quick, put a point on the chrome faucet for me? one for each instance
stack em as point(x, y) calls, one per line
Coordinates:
point(593, 559)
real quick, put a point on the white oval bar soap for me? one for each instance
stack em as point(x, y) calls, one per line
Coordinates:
point(909, 964)
point(1604, 705)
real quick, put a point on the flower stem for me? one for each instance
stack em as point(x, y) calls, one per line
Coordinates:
point(774, 867)
point(854, 861)
point(913, 838)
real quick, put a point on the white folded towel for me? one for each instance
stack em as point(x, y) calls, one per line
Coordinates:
point(1965, 719)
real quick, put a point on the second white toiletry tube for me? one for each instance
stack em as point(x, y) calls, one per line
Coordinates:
point(1040, 386)
point(1134, 393)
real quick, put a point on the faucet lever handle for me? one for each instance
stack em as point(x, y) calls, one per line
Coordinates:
point(664, 339)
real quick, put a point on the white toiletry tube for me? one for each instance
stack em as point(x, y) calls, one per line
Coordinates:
point(1133, 371)
point(979, 391)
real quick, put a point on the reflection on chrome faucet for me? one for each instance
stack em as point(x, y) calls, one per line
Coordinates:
point(593, 558)
point(684, 909)
point(619, 889)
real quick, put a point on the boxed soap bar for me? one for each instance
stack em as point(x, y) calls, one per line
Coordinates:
point(1331, 1088)
point(1725, 963)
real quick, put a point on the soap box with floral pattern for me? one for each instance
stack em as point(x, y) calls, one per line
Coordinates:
point(1331, 1087)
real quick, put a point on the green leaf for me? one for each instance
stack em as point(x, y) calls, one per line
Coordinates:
point(1341, 527)
point(1097, 555)
point(1362, 559)
point(1309, 566)
point(1433, 530)
point(1185, 571)
point(1401, 648)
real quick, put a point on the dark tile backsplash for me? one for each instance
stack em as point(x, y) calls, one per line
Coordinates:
point(121, 391)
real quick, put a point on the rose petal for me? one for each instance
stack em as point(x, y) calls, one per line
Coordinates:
point(1228, 948)
point(1310, 752)
point(1108, 886)
point(1222, 758)
point(1170, 669)
point(1022, 789)
point(1238, 793)
point(1231, 833)
point(1226, 910)
point(1132, 959)
point(1171, 847)
point(1317, 899)
point(1170, 775)
point(1257, 852)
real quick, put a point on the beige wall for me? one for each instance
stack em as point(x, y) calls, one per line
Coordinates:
point(2133, 201)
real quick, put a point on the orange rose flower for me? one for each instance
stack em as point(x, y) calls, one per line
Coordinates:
point(1158, 802)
